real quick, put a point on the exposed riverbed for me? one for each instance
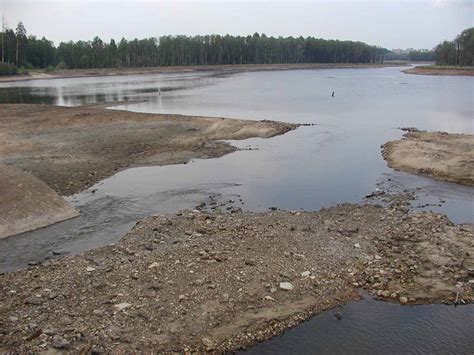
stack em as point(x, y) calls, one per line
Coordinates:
point(338, 160)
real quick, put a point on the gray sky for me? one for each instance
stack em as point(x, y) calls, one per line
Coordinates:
point(391, 24)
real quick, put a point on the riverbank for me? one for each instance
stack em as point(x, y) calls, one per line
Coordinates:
point(201, 281)
point(439, 70)
point(438, 155)
point(225, 69)
point(71, 149)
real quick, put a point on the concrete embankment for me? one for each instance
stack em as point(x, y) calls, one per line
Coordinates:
point(27, 203)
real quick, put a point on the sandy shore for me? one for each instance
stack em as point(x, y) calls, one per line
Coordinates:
point(201, 281)
point(74, 73)
point(429, 70)
point(438, 155)
point(72, 148)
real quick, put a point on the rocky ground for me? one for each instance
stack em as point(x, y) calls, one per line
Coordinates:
point(439, 155)
point(71, 148)
point(204, 281)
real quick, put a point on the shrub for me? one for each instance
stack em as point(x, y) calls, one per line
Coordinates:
point(50, 69)
point(61, 65)
point(8, 69)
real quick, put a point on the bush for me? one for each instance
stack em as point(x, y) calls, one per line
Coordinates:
point(61, 66)
point(23, 71)
point(50, 69)
point(8, 69)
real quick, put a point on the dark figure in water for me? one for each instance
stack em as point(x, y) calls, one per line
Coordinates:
point(333, 94)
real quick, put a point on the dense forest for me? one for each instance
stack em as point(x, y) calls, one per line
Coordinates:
point(459, 52)
point(20, 50)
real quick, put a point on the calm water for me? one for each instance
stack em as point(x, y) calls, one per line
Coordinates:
point(374, 327)
point(338, 160)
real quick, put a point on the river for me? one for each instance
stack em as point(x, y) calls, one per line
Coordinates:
point(336, 160)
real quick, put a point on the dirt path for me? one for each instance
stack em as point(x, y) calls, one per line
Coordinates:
point(204, 281)
point(438, 155)
point(75, 73)
point(422, 70)
point(72, 148)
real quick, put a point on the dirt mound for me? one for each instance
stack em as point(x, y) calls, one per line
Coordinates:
point(438, 155)
point(27, 203)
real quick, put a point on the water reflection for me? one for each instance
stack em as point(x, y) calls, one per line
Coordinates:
point(92, 90)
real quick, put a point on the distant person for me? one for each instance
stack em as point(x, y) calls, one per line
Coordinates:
point(333, 94)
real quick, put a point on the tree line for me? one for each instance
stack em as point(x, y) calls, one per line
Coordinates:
point(20, 50)
point(459, 52)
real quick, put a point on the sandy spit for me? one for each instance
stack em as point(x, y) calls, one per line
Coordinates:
point(70, 149)
point(440, 71)
point(439, 155)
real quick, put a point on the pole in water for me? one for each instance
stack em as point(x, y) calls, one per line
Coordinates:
point(333, 94)
point(159, 92)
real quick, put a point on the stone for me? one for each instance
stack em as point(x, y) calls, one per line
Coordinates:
point(60, 343)
point(153, 265)
point(34, 301)
point(122, 306)
point(286, 286)
point(403, 300)
point(305, 273)
point(338, 315)
point(357, 245)
point(90, 269)
point(207, 342)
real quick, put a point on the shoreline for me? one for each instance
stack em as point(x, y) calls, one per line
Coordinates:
point(198, 281)
point(225, 69)
point(437, 155)
point(436, 70)
point(72, 148)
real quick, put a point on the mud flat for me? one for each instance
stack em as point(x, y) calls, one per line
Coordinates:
point(237, 68)
point(439, 155)
point(203, 281)
point(438, 70)
point(27, 203)
point(72, 148)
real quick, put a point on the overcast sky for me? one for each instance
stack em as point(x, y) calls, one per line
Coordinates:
point(391, 24)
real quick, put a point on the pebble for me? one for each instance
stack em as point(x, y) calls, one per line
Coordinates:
point(357, 245)
point(207, 342)
point(286, 286)
point(305, 273)
point(122, 306)
point(153, 265)
point(90, 269)
point(403, 300)
point(60, 343)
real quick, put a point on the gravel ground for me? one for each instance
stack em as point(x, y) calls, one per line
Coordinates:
point(211, 281)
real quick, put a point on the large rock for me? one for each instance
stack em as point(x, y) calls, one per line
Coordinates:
point(27, 203)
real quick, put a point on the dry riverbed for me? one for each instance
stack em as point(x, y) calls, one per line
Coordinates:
point(203, 281)
point(437, 70)
point(227, 69)
point(439, 155)
point(70, 149)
